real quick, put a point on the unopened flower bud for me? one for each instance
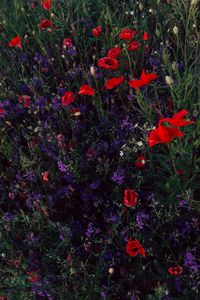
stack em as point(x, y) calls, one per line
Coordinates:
point(111, 271)
point(92, 70)
point(157, 32)
point(169, 80)
point(141, 6)
point(194, 2)
point(175, 30)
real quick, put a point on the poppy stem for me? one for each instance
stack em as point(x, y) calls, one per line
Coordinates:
point(129, 60)
point(171, 156)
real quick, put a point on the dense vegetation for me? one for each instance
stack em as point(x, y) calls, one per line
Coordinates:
point(99, 178)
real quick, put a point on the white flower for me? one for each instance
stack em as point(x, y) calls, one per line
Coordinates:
point(121, 153)
point(140, 143)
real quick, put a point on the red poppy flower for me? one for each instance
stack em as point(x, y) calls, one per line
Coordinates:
point(127, 34)
point(33, 276)
point(67, 43)
point(108, 63)
point(2, 111)
point(47, 4)
point(133, 46)
point(113, 82)
point(177, 119)
point(68, 98)
point(145, 79)
point(25, 100)
point(86, 90)
point(114, 52)
point(16, 42)
point(180, 172)
point(45, 176)
point(134, 247)
point(176, 270)
point(145, 36)
point(97, 31)
point(163, 135)
point(130, 198)
point(140, 161)
point(45, 24)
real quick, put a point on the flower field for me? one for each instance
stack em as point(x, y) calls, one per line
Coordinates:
point(99, 150)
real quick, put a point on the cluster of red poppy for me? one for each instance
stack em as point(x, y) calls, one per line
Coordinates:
point(165, 133)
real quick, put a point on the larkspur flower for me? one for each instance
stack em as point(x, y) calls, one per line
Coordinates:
point(141, 219)
point(118, 176)
point(190, 262)
point(62, 166)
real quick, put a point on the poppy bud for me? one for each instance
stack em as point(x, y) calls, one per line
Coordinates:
point(175, 30)
point(111, 271)
point(194, 2)
point(169, 80)
point(130, 198)
point(141, 6)
point(157, 32)
point(92, 70)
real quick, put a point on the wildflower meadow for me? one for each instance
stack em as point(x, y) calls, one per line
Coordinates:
point(99, 150)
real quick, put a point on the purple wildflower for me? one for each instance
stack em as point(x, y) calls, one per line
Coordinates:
point(141, 219)
point(62, 166)
point(72, 51)
point(118, 176)
point(190, 262)
point(90, 230)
